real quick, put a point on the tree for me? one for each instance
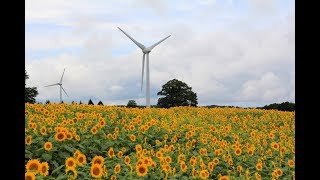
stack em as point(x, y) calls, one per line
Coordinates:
point(80, 102)
point(29, 92)
point(285, 106)
point(132, 103)
point(47, 102)
point(100, 103)
point(176, 93)
point(90, 102)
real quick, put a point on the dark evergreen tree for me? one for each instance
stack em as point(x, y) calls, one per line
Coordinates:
point(90, 102)
point(100, 103)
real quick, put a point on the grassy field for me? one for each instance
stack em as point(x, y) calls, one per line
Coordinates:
point(65, 141)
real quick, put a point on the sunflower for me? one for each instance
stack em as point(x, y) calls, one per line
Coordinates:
point(60, 136)
point(29, 176)
point(159, 154)
point(113, 177)
point(111, 152)
point(224, 178)
point(33, 165)
point(142, 170)
point(138, 148)
point(69, 136)
point(102, 123)
point(124, 149)
point(75, 154)
point(183, 166)
point(216, 161)
point(258, 176)
point(96, 171)
point(77, 137)
point(47, 146)
point(239, 168)
point(210, 166)
point(94, 130)
point(204, 174)
point(117, 169)
point(98, 160)
point(131, 127)
point(43, 130)
point(238, 151)
point(168, 159)
point(28, 140)
point(193, 161)
point(275, 146)
point(278, 172)
point(132, 137)
point(120, 154)
point(109, 136)
point(259, 166)
point(127, 160)
point(71, 163)
point(181, 157)
point(44, 169)
point(194, 173)
point(81, 159)
point(291, 163)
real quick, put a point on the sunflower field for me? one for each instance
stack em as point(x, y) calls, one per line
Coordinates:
point(78, 141)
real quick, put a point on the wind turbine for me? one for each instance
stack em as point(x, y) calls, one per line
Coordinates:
point(60, 84)
point(145, 51)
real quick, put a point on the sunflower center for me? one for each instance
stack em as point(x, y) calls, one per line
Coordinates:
point(28, 178)
point(70, 163)
point(34, 167)
point(96, 171)
point(44, 169)
point(60, 136)
point(80, 159)
point(142, 170)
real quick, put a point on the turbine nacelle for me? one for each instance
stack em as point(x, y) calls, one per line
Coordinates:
point(146, 50)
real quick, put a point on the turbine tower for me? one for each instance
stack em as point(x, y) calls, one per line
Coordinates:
point(60, 84)
point(145, 51)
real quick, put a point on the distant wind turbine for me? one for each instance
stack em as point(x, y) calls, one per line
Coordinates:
point(60, 84)
point(145, 51)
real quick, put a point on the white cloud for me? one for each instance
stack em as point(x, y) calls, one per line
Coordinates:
point(223, 66)
point(268, 88)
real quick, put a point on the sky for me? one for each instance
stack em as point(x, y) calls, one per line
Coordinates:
point(231, 52)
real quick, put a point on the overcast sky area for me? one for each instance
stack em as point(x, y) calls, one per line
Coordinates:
point(231, 52)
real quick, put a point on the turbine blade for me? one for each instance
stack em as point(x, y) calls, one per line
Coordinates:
point(142, 70)
point(141, 46)
point(151, 47)
point(62, 75)
point(52, 85)
point(64, 91)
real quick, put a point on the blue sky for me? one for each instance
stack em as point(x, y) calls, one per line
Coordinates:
point(231, 52)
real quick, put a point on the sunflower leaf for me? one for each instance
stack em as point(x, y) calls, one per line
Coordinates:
point(57, 169)
point(47, 157)
point(69, 148)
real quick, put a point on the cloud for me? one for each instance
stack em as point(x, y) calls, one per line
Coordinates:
point(268, 88)
point(228, 66)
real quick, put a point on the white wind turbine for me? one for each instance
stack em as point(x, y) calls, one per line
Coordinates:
point(60, 84)
point(145, 51)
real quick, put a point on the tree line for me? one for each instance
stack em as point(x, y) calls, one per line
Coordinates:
point(173, 93)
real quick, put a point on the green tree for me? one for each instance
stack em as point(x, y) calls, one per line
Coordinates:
point(132, 103)
point(30, 92)
point(90, 102)
point(47, 102)
point(100, 103)
point(80, 102)
point(176, 93)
